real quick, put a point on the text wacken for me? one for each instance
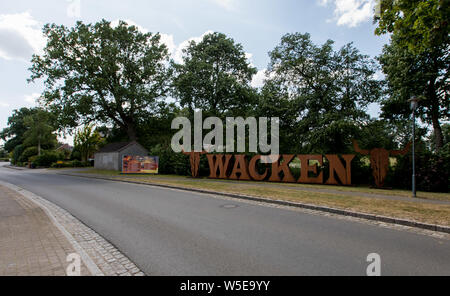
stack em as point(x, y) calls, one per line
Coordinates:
point(278, 169)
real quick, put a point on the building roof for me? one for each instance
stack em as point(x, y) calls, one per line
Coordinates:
point(65, 147)
point(117, 147)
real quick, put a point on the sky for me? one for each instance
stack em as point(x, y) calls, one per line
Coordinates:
point(256, 24)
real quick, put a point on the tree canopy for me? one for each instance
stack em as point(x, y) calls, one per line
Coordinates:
point(102, 73)
point(13, 135)
point(417, 24)
point(424, 75)
point(215, 76)
point(40, 131)
point(87, 141)
point(328, 89)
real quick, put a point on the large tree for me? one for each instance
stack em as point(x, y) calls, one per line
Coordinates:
point(215, 76)
point(417, 24)
point(13, 135)
point(40, 131)
point(103, 73)
point(3, 153)
point(328, 89)
point(87, 141)
point(425, 75)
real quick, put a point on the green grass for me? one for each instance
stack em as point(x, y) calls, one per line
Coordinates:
point(100, 172)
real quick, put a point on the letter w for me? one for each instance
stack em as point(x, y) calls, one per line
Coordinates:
point(216, 162)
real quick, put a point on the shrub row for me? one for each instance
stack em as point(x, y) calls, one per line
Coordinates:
point(71, 164)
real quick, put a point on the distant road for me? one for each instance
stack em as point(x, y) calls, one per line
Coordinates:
point(169, 232)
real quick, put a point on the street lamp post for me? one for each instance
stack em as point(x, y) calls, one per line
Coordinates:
point(414, 104)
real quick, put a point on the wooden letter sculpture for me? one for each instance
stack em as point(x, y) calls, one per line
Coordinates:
point(194, 158)
point(379, 161)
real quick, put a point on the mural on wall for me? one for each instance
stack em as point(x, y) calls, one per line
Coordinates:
point(140, 165)
point(379, 161)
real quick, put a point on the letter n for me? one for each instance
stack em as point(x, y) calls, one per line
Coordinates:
point(216, 162)
point(336, 166)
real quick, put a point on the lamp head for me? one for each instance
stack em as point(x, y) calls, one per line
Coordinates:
point(414, 101)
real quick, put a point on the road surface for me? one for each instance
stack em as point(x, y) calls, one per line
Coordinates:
point(170, 232)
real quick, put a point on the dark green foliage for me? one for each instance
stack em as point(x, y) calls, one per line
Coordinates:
point(326, 92)
point(46, 159)
point(171, 162)
point(17, 152)
point(215, 77)
point(424, 75)
point(13, 135)
point(420, 24)
point(75, 155)
point(27, 153)
point(433, 172)
point(3, 153)
point(154, 130)
point(100, 73)
point(361, 171)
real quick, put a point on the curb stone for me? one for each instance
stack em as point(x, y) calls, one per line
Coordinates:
point(371, 217)
point(100, 257)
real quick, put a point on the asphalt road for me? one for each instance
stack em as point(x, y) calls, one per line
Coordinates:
point(169, 232)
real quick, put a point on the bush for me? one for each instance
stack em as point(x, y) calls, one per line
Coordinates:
point(46, 159)
point(432, 171)
point(76, 155)
point(71, 164)
point(362, 171)
point(17, 152)
point(80, 164)
point(171, 162)
point(27, 153)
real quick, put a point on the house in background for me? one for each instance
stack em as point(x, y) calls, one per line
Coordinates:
point(66, 149)
point(110, 156)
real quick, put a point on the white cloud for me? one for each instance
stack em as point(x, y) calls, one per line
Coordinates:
point(32, 99)
point(258, 79)
point(165, 38)
point(249, 57)
point(20, 36)
point(178, 53)
point(4, 105)
point(351, 13)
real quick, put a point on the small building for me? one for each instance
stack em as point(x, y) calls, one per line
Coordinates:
point(110, 156)
point(66, 149)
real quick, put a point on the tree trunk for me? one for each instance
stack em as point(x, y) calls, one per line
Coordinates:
point(438, 135)
point(131, 131)
point(39, 147)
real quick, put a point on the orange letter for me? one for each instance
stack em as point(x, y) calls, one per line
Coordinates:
point(336, 165)
point(277, 169)
point(306, 168)
point(254, 172)
point(240, 167)
point(218, 164)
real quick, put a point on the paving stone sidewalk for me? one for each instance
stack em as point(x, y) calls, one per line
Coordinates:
point(36, 237)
